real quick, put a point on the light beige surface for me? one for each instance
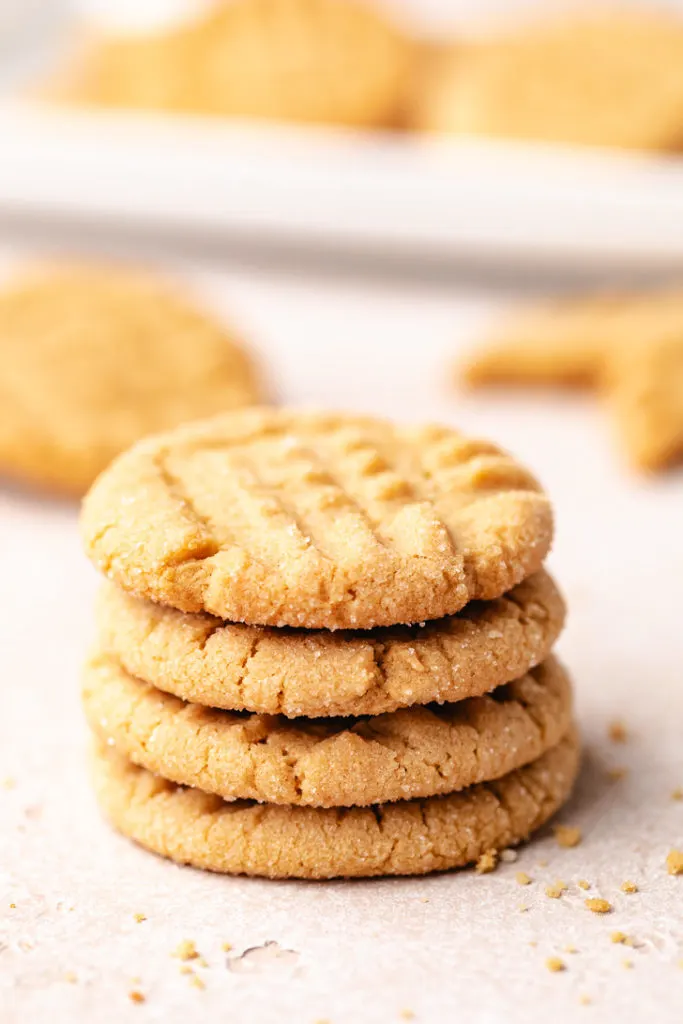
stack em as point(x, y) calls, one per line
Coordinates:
point(361, 953)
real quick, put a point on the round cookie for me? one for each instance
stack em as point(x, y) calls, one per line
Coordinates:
point(296, 60)
point(404, 838)
point(414, 752)
point(286, 518)
point(300, 672)
point(91, 359)
point(609, 78)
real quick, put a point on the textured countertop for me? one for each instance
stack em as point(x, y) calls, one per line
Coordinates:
point(458, 947)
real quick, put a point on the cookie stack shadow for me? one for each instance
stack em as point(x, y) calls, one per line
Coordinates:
point(288, 744)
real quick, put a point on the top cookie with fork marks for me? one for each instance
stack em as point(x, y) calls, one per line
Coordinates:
point(318, 520)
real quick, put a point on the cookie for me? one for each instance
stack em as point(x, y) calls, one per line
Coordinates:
point(295, 60)
point(301, 672)
point(404, 838)
point(611, 78)
point(571, 342)
point(645, 396)
point(414, 752)
point(91, 359)
point(286, 518)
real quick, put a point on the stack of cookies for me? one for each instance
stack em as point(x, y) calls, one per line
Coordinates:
point(325, 647)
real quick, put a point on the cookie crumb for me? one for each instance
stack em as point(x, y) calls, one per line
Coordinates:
point(71, 977)
point(585, 1000)
point(628, 886)
point(226, 947)
point(554, 964)
point(197, 982)
point(617, 732)
point(9, 783)
point(523, 908)
point(139, 918)
point(136, 996)
point(521, 878)
point(424, 900)
point(487, 862)
point(202, 962)
point(13, 906)
point(677, 793)
point(555, 890)
point(674, 862)
point(570, 949)
point(599, 905)
point(628, 964)
point(186, 969)
point(186, 950)
point(567, 835)
point(583, 884)
point(509, 856)
point(617, 773)
point(621, 937)
point(407, 1015)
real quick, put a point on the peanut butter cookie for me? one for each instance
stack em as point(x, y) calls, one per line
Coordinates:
point(319, 673)
point(328, 521)
point(403, 838)
point(610, 78)
point(414, 752)
point(92, 359)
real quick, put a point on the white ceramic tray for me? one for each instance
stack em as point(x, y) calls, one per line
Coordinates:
point(383, 194)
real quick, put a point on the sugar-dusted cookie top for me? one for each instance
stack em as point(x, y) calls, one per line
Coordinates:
point(318, 673)
point(605, 78)
point(332, 762)
point(91, 359)
point(286, 518)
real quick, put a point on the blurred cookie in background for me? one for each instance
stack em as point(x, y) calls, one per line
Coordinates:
point(629, 347)
point(91, 359)
point(609, 78)
point(335, 61)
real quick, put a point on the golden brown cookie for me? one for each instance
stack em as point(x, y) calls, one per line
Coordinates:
point(609, 78)
point(571, 342)
point(414, 752)
point(301, 672)
point(644, 393)
point(92, 359)
point(325, 520)
point(404, 838)
point(299, 60)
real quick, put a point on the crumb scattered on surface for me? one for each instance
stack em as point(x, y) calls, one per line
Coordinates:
point(570, 949)
point(509, 856)
point(71, 977)
point(567, 835)
point(226, 947)
point(522, 878)
point(407, 1015)
point(585, 1000)
point(186, 969)
point(523, 908)
point(186, 950)
point(139, 918)
point(619, 772)
point(202, 962)
point(555, 890)
point(621, 937)
point(554, 964)
point(197, 982)
point(677, 793)
point(9, 783)
point(13, 906)
point(599, 905)
point(583, 884)
point(628, 886)
point(628, 964)
point(674, 862)
point(533, 943)
point(487, 862)
point(617, 732)
point(136, 996)
point(543, 863)
point(424, 900)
